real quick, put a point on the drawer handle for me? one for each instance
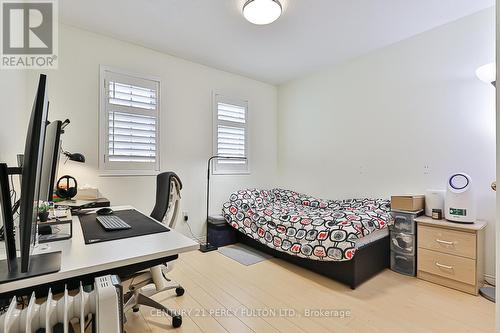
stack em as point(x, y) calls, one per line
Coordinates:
point(444, 242)
point(443, 266)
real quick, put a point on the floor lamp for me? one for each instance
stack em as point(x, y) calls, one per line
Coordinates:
point(487, 73)
point(207, 247)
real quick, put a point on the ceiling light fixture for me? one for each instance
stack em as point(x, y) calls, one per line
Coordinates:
point(262, 12)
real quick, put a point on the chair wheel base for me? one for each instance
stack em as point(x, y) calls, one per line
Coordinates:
point(176, 321)
point(179, 291)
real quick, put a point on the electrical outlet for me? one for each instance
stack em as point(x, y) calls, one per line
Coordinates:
point(185, 216)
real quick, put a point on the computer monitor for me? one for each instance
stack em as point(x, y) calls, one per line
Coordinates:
point(32, 173)
point(30, 168)
point(51, 152)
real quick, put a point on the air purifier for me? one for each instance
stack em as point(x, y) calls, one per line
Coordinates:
point(434, 199)
point(459, 201)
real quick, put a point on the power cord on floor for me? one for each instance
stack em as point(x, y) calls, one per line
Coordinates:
point(186, 219)
point(488, 282)
point(13, 193)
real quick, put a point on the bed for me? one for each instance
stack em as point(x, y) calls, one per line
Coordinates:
point(347, 240)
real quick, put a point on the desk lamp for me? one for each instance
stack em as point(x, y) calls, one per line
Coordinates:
point(75, 157)
point(207, 247)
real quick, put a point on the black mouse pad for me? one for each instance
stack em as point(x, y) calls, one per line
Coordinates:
point(141, 225)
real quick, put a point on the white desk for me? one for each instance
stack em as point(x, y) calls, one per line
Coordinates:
point(78, 258)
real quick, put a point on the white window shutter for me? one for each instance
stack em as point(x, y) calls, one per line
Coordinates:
point(131, 96)
point(230, 142)
point(132, 138)
point(230, 135)
point(129, 123)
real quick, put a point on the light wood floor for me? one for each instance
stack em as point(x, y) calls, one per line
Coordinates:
point(225, 296)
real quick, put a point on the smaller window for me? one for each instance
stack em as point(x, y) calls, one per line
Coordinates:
point(129, 124)
point(230, 135)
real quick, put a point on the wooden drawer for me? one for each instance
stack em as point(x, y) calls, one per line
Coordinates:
point(454, 242)
point(448, 266)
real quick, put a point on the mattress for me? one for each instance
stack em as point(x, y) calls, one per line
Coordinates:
point(305, 226)
point(374, 236)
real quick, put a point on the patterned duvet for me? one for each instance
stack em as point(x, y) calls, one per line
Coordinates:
point(304, 226)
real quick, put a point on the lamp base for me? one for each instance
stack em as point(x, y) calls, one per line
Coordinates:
point(207, 247)
point(488, 293)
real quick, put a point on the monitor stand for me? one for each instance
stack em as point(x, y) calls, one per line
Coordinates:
point(40, 264)
point(10, 267)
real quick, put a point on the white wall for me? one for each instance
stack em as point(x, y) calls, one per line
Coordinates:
point(12, 100)
point(497, 290)
point(398, 120)
point(186, 120)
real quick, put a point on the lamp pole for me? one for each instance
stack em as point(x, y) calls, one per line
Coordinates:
point(207, 247)
point(487, 74)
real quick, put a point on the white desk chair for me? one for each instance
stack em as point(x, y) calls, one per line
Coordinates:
point(145, 284)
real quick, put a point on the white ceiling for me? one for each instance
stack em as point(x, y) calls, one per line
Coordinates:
point(310, 33)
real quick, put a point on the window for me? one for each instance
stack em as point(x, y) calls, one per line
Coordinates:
point(129, 124)
point(230, 135)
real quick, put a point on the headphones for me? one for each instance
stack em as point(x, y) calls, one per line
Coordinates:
point(66, 192)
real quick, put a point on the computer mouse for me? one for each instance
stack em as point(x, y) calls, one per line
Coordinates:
point(104, 211)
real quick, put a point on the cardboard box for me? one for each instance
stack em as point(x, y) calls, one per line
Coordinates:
point(87, 194)
point(409, 203)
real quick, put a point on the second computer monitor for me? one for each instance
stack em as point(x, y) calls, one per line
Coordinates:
point(51, 152)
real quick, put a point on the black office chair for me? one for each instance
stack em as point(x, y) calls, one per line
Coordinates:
point(153, 281)
point(164, 194)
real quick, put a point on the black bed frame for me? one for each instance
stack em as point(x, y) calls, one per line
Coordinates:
point(368, 260)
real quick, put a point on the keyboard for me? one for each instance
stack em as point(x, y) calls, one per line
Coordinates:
point(111, 223)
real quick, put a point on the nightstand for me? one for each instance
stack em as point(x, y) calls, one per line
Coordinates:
point(451, 254)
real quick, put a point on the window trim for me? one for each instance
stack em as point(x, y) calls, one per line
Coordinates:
point(103, 130)
point(216, 98)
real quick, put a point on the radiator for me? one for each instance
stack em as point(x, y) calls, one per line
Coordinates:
point(105, 303)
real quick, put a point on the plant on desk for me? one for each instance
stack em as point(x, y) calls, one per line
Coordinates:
point(43, 211)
